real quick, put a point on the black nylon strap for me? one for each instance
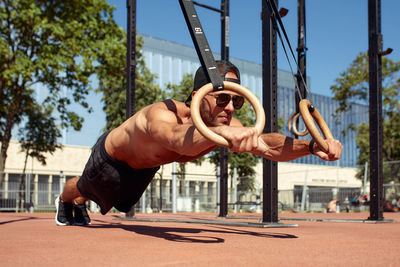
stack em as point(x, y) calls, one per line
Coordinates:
point(201, 44)
point(277, 21)
point(274, 10)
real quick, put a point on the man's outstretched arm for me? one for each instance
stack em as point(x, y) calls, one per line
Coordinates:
point(172, 133)
point(278, 147)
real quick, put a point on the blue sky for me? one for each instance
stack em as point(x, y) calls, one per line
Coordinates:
point(337, 31)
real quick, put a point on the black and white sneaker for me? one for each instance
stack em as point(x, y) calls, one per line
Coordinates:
point(81, 216)
point(64, 213)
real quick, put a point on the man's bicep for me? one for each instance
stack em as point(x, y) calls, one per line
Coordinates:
point(168, 130)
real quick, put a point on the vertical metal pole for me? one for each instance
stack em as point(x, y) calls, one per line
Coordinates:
point(61, 182)
point(270, 86)
point(28, 190)
point(161, 193)
point(143, 202)
point(131, 59)
point(131, 67)
point(223, 185)
point(218, 188)
point(174, 188)
point(365, 178)
point(235, 198)
point(301, 54)
point(304, 194)
point(225, 30)
point(224, 155)
point(375, 109)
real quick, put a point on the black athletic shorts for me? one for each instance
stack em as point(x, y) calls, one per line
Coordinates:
point(112, 183)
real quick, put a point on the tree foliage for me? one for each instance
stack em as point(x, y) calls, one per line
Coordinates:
point(112, 83)
point(391, 150)
point(53, 45)
point(39, 135)
point(352, 87)
point(182, 90)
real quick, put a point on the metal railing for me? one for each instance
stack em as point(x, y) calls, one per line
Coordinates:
point(194, 198)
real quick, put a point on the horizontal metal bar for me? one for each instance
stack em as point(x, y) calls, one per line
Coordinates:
point(208, 7)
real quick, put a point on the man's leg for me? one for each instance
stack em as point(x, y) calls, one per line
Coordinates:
point(70, 191)
point(81, 217)
point(65, 206)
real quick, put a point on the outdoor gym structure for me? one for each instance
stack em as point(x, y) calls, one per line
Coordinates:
point(271, 22)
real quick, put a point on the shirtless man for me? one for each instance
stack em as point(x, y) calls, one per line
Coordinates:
point(124, 160)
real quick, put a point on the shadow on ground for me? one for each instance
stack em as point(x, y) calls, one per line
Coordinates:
point(184, 234)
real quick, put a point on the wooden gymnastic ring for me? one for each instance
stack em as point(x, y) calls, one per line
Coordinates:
point(308, 117)
point(293, 121)
point(237, 88)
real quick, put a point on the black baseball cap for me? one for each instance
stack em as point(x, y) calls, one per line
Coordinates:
point(200, 78)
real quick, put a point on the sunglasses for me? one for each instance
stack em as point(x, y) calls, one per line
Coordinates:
point(224, 99)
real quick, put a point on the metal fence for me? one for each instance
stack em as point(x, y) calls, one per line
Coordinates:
point(195, 197)
point(38, 194)
point(298, 199)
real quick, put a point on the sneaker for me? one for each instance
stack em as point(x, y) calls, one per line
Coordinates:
point(64, 213)
point(81, 216)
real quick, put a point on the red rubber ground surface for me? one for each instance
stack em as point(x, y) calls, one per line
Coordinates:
point(35, 240)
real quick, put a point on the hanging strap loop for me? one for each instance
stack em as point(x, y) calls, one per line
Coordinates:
point(201, 44)
point(308, 117)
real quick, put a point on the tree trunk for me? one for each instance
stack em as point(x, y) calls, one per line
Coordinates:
point(182, 175)
point(5, 142)
point(22, 183)
point(2, 167)
point(3, 157)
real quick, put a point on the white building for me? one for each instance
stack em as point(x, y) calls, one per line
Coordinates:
point(200, 181)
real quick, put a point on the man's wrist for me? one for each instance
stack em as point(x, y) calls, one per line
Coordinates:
point(311, 146)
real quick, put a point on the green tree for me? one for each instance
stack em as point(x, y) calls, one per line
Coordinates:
point(112, 83)
point(391, 149)
point(53, 45)
point(39, 135)
point(182, 90)
point(352, 87)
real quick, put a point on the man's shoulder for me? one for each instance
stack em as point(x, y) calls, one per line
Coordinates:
point(167, 108)
point(171, 105)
